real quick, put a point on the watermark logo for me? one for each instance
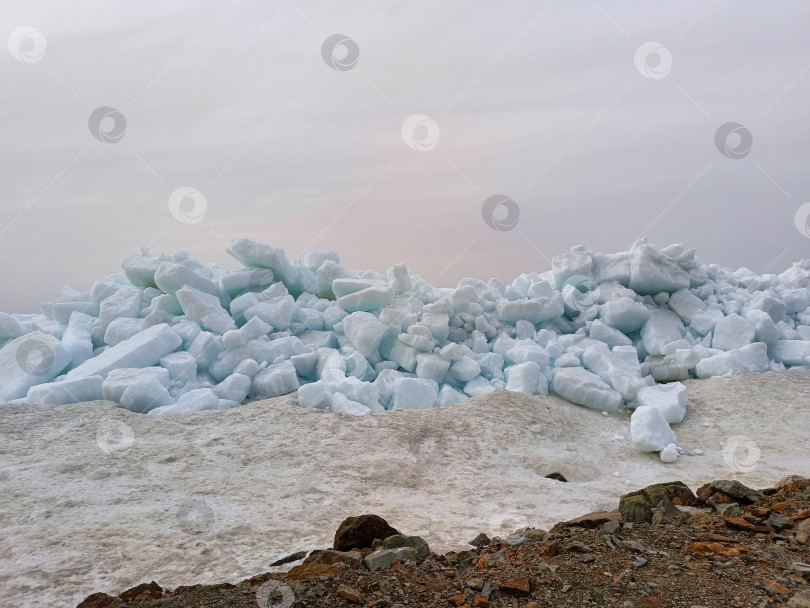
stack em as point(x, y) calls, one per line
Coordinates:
point(181, 212)
point(733, 140)
point(115, 438)
point(340, 52)
point(275, 594)
point(741, 454)
point(27, 45)
point(195, 517)
point(35, 357)
point(500, 212)
point(420, 132)
point(653, 60)
point(802, 220)
point(580, 293)
point(107, 125)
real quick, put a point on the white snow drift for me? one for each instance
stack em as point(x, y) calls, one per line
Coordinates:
point(172, 335)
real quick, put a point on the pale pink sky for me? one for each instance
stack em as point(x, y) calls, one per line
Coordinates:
point(541, 102)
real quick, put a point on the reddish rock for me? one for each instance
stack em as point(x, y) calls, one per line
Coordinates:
point(457, 600)
point(704, 491)
point(552, 549)
point(310, 571)
point(517, 586)
point(725, 551)
point(330, 557)
point(360, 532)
point(143, 591)
point(589, 521)
point(99, 600)
point(479, 601)
point(775, 588)
point(351, 594)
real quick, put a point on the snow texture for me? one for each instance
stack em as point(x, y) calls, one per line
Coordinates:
point(98, 498)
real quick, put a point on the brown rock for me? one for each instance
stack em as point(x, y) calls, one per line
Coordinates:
point(718, 498)
point(775, 588)
point(360, 532)
point(740, 523)
point(553, 548)
point(457, 600)
point(589, 521)
point(669, 491)
point(802, 531)
point(738, 492)
point(666, 513)
point(306, 572)
point(143, 591)
point(532, 605)
point(99, 600)
point(636, 508)
point(517, 586)
point(704, 491)
point(725, 551)
point(351, 594)
point(329, 557)
point(479, 601)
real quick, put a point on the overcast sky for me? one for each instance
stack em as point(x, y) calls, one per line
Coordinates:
point(598, 119)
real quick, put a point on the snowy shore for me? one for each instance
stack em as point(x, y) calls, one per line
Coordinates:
point(99, 498)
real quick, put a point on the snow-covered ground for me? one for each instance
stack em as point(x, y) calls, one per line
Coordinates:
point(97, 498)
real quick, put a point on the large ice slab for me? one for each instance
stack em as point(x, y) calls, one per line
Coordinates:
point(585, 388)
point(66, 392)
point(31, 359)
point(142, 350)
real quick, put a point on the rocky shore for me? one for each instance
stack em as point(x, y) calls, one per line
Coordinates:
point(724, 546)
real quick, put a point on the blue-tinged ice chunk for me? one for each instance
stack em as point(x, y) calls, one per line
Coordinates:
point(141, 350)
point(652, 272)
point(193, 401)
point(145, 394)
point(182, 366)
point(205, 309)
point(366, 299)
point(585, 388)
point(275, 380)
point(31, 359)
point(235, 387)
point(526, 378)
point(625, 314)
point(448, 395)
point(431, 366)
point(365, 331)
point(65, 392)
point(791, 352)
point(415, 394)
point(663, 327)
point(732, 332)
point(10, 327)
point(752, 358)
point(171, 278)
point(649, 430)
point(536, 310)
point(685, 304)
point(78, 338)
point(670, 399)
point(118, 380)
